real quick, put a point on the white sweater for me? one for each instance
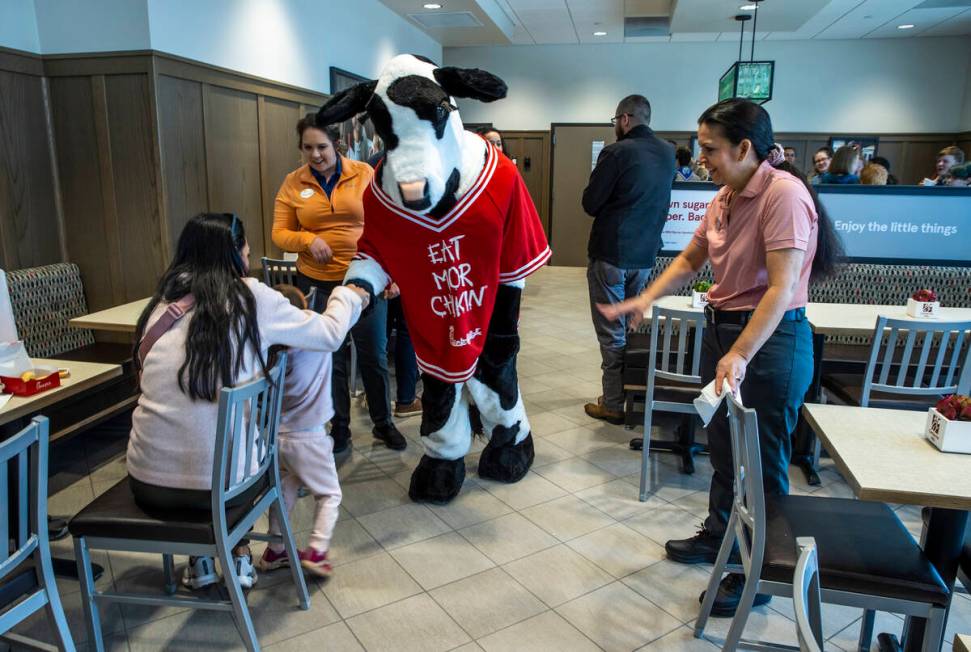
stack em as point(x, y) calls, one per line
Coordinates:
point(173, 437)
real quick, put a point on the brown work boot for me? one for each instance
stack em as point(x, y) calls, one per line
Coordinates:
point(408, 409)
point(599, 411)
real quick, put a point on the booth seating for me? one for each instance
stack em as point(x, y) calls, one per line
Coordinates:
point(43, 300)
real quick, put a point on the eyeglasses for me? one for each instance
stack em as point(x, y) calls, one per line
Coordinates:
point(617, 117)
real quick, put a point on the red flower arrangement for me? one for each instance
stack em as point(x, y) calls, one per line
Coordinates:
point(955, 407)
point(925, 295)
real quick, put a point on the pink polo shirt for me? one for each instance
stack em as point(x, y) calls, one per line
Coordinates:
point(774, 211)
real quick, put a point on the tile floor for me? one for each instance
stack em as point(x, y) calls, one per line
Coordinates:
point(567, 559)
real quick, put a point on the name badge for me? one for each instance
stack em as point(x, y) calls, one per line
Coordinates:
point(307, 193)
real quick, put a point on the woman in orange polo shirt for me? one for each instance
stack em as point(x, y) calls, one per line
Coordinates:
point(319, 216)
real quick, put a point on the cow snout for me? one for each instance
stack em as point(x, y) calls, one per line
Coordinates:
point(414, 194)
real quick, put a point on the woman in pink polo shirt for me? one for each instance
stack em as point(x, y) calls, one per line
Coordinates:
point(766, 235)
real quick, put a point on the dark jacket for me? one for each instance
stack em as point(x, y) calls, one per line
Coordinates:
point(628, 196)
point(841, 179)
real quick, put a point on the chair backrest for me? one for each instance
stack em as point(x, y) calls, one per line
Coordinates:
point(44, 299)
point(246, 429)
point(806, 598)
point(27, 453)
point(276, 271)
point(683, 363)
point(749, 499)
point(943, 365)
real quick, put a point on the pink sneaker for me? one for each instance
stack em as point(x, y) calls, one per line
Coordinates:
point(315, 562)
point(273, 560)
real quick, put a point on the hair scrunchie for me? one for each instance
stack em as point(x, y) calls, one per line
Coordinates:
point(776, 155)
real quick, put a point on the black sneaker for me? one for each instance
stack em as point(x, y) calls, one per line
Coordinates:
point(702, 548)
point(390, 436)
point(729, 593)
point(342, 438)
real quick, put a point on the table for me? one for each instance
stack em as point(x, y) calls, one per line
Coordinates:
point(962, 643)
point(884, 456)
point(121, 319)
point(84, 375)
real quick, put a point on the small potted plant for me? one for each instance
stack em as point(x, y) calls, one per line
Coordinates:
point(923, 303)
point(949, 424)
point(699, 294)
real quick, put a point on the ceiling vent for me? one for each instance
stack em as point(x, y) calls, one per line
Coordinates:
point(446, 19)
point(943, 4)
point(635, 26)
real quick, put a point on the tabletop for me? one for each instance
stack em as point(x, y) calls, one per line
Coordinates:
point(962, 643)
point(121, 318)
point(84, 375)
point(884, 456)
point(838, 318)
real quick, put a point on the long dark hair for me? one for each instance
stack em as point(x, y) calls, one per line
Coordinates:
point(208, 264)
point(742, 119)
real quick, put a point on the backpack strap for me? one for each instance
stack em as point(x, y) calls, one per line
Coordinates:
point(172, 314)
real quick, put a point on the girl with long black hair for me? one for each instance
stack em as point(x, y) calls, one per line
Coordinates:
point(766, 235)
point(230, 321)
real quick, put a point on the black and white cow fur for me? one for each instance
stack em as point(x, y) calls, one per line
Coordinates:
point(430, 162)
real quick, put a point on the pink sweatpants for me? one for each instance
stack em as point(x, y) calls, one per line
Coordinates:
point(307, 459)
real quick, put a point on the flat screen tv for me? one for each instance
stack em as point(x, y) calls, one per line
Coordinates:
point(751, 80)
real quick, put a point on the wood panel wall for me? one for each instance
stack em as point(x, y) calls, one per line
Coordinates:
point(30, 222)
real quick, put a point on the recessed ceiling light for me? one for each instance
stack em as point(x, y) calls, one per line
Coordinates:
point(907, 26)
point(432, 5)
point(749, 7)
point(600, 33)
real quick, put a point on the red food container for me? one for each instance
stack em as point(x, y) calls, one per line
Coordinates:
point(46, 379)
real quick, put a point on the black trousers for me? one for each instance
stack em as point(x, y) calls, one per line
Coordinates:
point(775, 384)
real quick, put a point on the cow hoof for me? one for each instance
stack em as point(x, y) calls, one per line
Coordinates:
point(507, 463)
point(436, 481)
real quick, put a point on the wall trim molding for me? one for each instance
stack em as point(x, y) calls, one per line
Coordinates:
point(21, 61)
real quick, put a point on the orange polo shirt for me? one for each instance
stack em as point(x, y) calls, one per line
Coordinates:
point(303, 211)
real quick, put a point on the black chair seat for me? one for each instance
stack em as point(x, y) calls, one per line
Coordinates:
point(863, 548)
point(115, 514)
point(18, 583)
point(849, 389)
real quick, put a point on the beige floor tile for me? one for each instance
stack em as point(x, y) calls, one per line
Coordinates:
point(469, 647)
point(402, 525)
point(583, 440)
point(72, 499)
point(617, 618)
point(333, 638)
point(363, 498)
point(619, 499)
point(368, 584)
point(543, 633)
point(618, 550)
point(680, 640)
point(835, 617)
point(567, 517)
point(671, 586)
point(665, 522)
point(351, 542)
point(38, 626)
point(487, 602)
point(473, 505)
point(441, 560)
point(547, 452)
point(508, 538)
point(618, 460)
point(557, 575)
point(414, 624)
point(574, 474)
point(696, 503)
point(848, 638)
point(544, 424)
point(531, 490)
point(763, 625)
point(669, 483)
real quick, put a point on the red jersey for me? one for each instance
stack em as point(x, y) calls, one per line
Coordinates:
point(449, 269)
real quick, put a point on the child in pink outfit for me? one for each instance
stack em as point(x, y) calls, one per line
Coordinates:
point(306, 451)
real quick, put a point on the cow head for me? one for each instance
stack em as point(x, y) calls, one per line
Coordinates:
point(412, 108)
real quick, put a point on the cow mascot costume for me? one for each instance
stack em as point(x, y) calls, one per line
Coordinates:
point(448, 218)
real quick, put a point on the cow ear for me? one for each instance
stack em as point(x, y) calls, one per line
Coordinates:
point(471, 82)
point(346, 104)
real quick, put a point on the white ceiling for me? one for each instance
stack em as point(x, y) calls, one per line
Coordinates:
point(534, 22)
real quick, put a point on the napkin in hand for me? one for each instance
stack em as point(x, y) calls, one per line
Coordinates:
point(708, 402)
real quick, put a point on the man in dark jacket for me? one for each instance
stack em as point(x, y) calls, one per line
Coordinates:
point(628, 197)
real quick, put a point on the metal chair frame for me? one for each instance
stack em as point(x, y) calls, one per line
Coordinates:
point(747, 527)
point(27, 450)
point(805, 597)
point(685, 320)
point(276, 271)
point(245, 454)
